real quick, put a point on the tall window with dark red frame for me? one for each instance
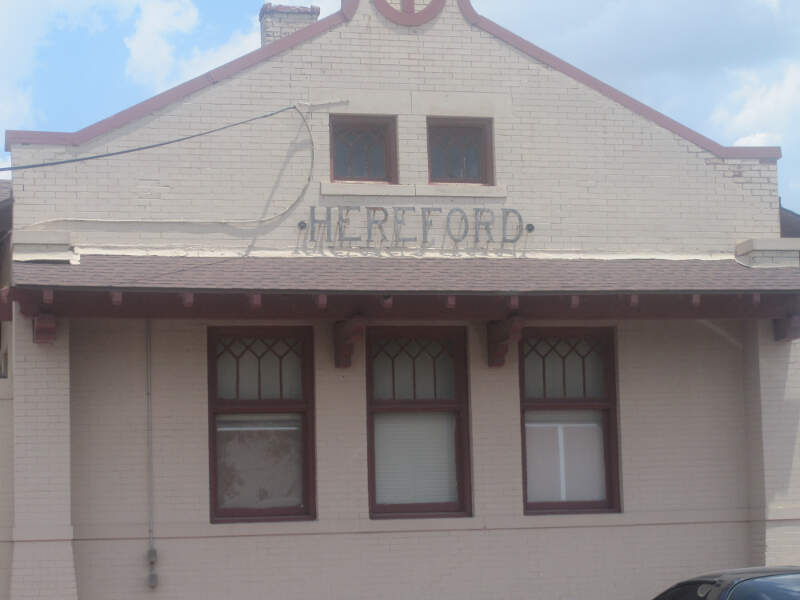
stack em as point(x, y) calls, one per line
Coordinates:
point(261, 424)
point(363, 148)
point(418, 423)
point(460, 151)
point(569, 421)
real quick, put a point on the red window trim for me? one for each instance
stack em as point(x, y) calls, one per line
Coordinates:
point(463, 507)
point(487, 127)
point(364, 121)
point(609, 407)
point(305, 407)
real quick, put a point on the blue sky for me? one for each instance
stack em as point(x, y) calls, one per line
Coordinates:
point(727, 68)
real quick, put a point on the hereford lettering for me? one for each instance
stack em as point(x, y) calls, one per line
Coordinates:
point(410, 225)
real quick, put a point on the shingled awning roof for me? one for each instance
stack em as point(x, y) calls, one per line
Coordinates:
point(406, 275)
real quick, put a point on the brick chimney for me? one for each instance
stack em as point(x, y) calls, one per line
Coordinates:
point(278, 21)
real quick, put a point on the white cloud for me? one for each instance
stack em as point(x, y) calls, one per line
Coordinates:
point(326, 6)
point(774, 5)
point(759, 109)
point(202, 61)
point(760, 139)
point(24, 27)
point(152, 54)
point(153, 61)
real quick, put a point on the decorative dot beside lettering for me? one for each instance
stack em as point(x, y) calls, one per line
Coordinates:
point(530, 228)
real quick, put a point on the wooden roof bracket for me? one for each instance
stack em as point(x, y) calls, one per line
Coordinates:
point(44, 329)
point(346, 334)
point(787, 329)
point(500, 337)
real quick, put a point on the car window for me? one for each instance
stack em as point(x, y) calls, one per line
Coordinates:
point(688, 591)
point(776, 587)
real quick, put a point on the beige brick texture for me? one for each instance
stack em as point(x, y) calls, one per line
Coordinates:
point(278, 24)
point(682, 422)
point(42, 562)
point(6, 492)
point(591, 175)
point(774, 427)
point(709, 411)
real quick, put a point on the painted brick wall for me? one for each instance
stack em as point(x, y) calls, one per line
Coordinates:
point(42, 563)
point(6, 492)
point(686, 505)
point(6, 478)
point(778, 445)
point(592, 176)
point(276, 25)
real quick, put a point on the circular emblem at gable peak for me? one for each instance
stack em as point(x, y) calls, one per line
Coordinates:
point(408, 13)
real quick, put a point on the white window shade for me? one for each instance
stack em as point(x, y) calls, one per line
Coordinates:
point(415, 458)
point(565, 456)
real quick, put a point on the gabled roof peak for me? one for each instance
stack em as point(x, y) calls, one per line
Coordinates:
point(409, 17)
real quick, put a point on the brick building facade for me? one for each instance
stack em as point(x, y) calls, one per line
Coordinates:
point(440, 317)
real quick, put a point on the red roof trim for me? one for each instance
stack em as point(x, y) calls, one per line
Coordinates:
point(408, 17)
point(345, 14)
point(185, 89)
point(524, 46)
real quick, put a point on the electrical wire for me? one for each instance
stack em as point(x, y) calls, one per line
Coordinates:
point(150, 146)
point(246, 226)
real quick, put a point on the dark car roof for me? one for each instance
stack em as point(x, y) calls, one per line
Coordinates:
point(740, 574)
point(743, 574)
point(723, 581)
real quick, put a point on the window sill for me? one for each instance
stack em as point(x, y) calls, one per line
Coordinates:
point(533, 512)
point(411, 516)
point(462, 190)
point(262, 519)
point(365, 188)
point(438, 190)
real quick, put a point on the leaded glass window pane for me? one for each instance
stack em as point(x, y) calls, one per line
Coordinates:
point(565, 368)
point(270, 376)
point(534, 382)
point(248, 376)
point(412, 369)
point(403, 377)
point(361, 149)
point(254, 369)
point(226, 376)
point(383, 378)
point(595, 374)
point(292, 376)
point(445, 377)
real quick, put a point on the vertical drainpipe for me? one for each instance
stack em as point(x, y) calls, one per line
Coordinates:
point(152, 554)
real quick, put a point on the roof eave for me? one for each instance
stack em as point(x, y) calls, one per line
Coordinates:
point(345, 14)
point(179, 92)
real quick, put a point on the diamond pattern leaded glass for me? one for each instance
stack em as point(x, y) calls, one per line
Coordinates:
point(564, 367)
point(413, 369)
point(259, 368)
